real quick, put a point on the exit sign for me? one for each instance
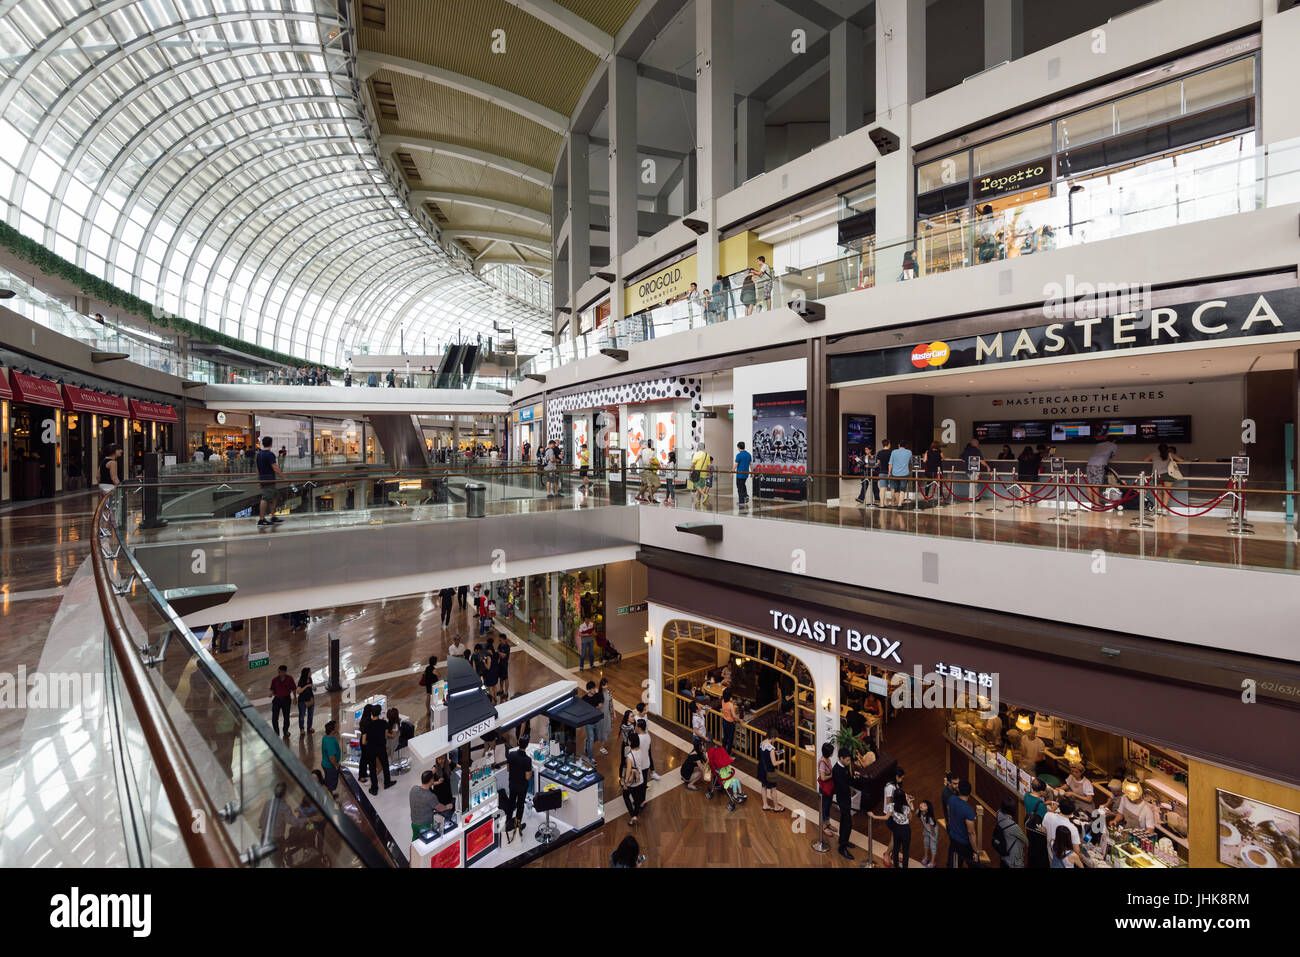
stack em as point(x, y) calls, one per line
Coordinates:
point(260, 662)
point(632, 609)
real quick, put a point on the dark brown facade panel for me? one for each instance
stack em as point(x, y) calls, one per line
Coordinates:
point(1210, 723)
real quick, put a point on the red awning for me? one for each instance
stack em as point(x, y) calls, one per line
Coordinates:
point(29, 388)
point(88, 400)
point(153, 411)
point(5, 391)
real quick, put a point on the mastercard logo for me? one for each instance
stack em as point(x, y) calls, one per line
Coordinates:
point(935, 354)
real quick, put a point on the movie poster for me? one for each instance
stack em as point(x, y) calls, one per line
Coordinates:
point(859, 433)
point(780, 446)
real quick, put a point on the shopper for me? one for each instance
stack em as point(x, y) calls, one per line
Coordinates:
point(1035, 805)
point(634, 777)
point(445, 596)
point(550, 468)
point(643, 729)
point(1099, 461)
point(768, 759)
point(1164, 466)
point(898, 818)
point(1058, 816)
point(282, 689)
point(950, 783)
point(331, 756)
point(306, 703)
point(868, 466)
point(427, 681)
point(900, 466)
point(1063, 852)
point(1008, 839)
point(882, 472)
point(491, 669)
point(110, 469)
point(973, 492)
point(625, 729)
point(826, 784)
point(584, 464)
point(693, 767)
point(268, 470)
point(605, 726)
point(627, 854)
point(503, 666)
point(457, 647)
point(586, 642)
point(424, 806)
point(1027, 468)
point(961, 828)
point(842, 781)
point(748, 292)
point(699, 728)
point(728, 721)
point(462, 597)
point(591, 732)
point(374, 749)
point(929, 833)
point(743, 461)
point(520, 774)
point(669, 478)
point(932, 465)
point(766, 280)
point(719, 301)
point(647, 464)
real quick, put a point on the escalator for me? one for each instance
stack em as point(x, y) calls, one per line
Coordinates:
point(469, 364)
point(402, 439)
point(449, 368)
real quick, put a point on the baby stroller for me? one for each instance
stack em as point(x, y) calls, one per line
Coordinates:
point(607, 651)
point(725, 777)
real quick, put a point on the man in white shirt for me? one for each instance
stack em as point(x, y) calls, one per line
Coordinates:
point(457, 649)
point(1031, 749)
point(1078, 786)
point(1059, 816)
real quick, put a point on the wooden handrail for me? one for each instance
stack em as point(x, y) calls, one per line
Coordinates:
point(211, 845)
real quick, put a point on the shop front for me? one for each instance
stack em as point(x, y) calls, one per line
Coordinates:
point(36, 434)
point(1138, 154)
point(153, 427)
point(6, 401)
point(548, 609)
point(1001, 702)
point(526, 434)
point(90, 424)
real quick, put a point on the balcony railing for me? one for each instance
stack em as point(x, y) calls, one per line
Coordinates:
point(1200, 185)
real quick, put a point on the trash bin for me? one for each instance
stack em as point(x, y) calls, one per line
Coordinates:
point(475, 496)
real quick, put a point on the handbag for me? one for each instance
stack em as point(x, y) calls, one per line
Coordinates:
point(695, 475)
point(1175, 472)
point(631, 774)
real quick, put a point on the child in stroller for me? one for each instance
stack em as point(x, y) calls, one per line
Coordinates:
point(607, 651)
point(725, 777)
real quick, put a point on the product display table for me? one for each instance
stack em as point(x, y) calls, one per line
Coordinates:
point(583, 801)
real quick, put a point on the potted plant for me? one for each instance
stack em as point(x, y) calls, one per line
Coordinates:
point(846, 740)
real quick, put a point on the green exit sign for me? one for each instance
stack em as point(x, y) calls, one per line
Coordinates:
point(259, 662)
point(632, 609)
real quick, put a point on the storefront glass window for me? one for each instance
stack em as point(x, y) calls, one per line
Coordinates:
point(1032, 144)
point(1089, 126)
point(943, 173)
point(1223, 84)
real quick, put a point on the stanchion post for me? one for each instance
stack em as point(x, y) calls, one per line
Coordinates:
point(1061, 515)
point(820, 845)
point(1141, 520)
point(995, 507)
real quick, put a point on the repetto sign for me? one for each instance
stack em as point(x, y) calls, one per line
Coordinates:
point(824, 632)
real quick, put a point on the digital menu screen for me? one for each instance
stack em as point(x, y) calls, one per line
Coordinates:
point(1122, 429)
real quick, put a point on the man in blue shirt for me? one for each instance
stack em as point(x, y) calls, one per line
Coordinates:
point(961, 827)
point(743, 460)
point(268, 470)
point(900, 464)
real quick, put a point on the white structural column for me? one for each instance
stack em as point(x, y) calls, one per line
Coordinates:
point(561, 240)
point(900, 80)
point(1004, 31)
point(579, 199)
point(623, 173)
point(751, 142)
point(715, 130)
point(848, 78)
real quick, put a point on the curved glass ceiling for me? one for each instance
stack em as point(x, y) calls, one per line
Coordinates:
point(212, 159)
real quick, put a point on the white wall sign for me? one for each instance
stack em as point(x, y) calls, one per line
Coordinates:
point(823, 632)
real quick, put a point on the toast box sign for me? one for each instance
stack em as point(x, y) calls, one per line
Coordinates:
point(835, 636)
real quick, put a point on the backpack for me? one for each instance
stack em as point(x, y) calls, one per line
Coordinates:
point(999, 841)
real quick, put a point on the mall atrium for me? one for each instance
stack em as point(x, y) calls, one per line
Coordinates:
point(643, 428)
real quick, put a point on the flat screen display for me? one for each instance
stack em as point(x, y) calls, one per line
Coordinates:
point(479, 839)
point(1122, 429)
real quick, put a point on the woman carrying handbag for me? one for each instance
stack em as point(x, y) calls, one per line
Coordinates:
point(634, 778)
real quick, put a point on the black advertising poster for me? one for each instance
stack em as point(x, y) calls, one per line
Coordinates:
point(859, 433)
point(1103, 331)
point(781, 445)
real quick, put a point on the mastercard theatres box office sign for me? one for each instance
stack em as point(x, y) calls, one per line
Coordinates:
point(1250, 315)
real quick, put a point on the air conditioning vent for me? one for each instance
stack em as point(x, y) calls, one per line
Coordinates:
point(385, 101)
point(438, 214)
point(374, 14)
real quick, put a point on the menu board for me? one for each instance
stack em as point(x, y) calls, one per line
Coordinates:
point(1148, 429)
